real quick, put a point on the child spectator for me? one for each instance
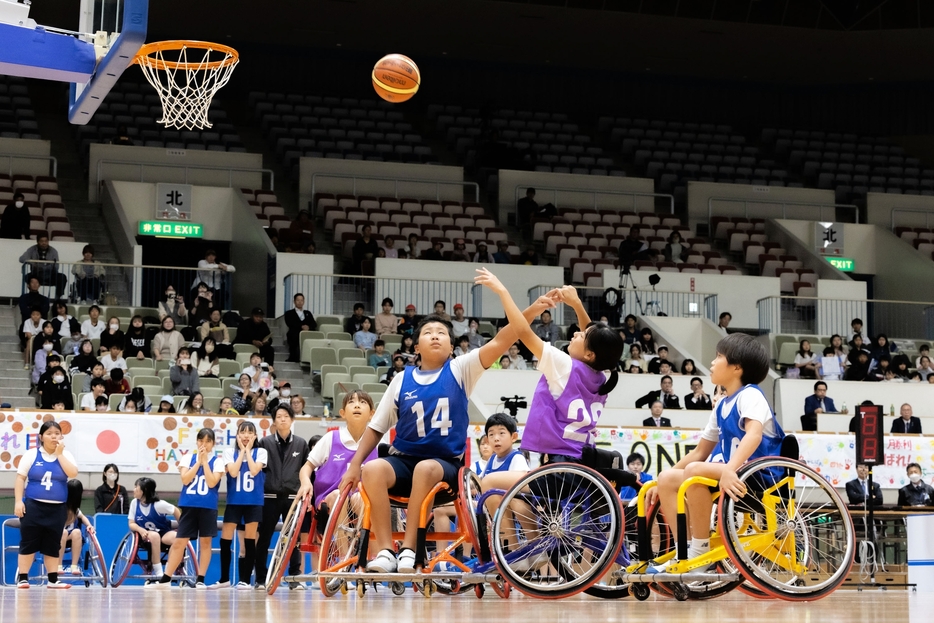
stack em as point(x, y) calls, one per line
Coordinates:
point(806, 362)
point(113, 359)
point(398, 366)
point(486, 451)
point(407, 350)
point(364, 339)
point(97, 372)
point(88, 401)
point(634, 462)
point(501, 433)
point(380, 357)
point(116, 384)
point(516, 362)
point(92, 328)
point(463, 346)
point(166, 405)
point(113, 336)
point(136, 341)
point(386, 321)
point(31, 327)
point(102, 404)
point(85, 360)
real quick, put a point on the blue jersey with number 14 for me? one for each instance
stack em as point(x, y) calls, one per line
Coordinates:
point(246, 489)
point(432, 418)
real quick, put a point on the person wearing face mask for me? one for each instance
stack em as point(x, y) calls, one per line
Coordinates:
point(54, 385)
point(184, 376)
point(89, 276)
point(205, 359)
point(219, 333)
point(203, 305)
point(45, 350)
point(16, 219)
point(113, 336)
point(915, 493)
point(111, 497)
point(136, 340)
point(173, 306)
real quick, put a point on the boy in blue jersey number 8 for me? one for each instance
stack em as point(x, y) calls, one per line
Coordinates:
point(742, 427)
point(428, 406)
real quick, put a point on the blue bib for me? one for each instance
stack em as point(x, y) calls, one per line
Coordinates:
point(246, 489)
point(504, 467)
point(731, 434)
point(46, 481)
point(197, 493)
point(432, 418)
point(151, 520)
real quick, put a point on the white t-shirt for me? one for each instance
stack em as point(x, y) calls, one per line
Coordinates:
point(752, 406)
point(91, 331)
point(110, 363)
point(262, 456)
point(799, 358)
point(87, 402)
point(220, 464)
point(466, 370)
point(516, 464)
point(556, 365)
point(321, 453)
point(29, 458)
point(460, 326)
point(32, 329)
point(162, 508)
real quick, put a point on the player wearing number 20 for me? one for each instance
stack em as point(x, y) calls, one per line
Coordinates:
point(245, 485)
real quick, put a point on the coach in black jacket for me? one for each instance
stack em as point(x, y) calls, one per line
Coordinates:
point(287, 453)
point(298, 320)
point(666, 394)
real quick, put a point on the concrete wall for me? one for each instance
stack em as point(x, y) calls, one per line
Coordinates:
point(11, 277)
point(319, 300)
point(9, 164)
point(250, 251)
point(588, 196)
point(122, 229)
point(175, 161)
point(879, 207)
point(858, 244)
point(315, 170)
point(760, 202)
point(211, 206)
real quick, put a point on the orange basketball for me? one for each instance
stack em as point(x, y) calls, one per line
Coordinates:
point(396, 78)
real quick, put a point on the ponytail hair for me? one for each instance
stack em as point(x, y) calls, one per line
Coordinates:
point(607, 346)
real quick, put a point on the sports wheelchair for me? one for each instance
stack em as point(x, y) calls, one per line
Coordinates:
point(134, 552)
point(90, 560)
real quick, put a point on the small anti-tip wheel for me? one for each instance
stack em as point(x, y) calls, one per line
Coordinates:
point(397, 588)
point(361, 588)
point(428, 588)
point(479, 590)
point(640, 591)
point(681, 591)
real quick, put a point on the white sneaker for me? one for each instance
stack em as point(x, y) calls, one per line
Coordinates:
point(297, 586)
point(259, 586)
point(385, 562)
point(218, 585)
point(58, 585)
point(200, 586)
point(531, 563)
point(243, 586)
point(406, 561)
point(157, 585)
point(22, 584)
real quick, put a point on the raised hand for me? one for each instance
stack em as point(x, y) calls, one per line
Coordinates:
point(486, 278)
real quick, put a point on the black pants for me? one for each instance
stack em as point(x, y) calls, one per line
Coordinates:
point(295, 349)
point(268, 353)
point(273, 510)
point(48, 278)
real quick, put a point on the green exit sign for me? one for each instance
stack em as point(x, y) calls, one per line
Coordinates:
point(171, 229)
point(843, 264)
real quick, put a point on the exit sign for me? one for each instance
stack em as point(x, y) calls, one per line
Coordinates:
point(843, 264)
point(171, 229)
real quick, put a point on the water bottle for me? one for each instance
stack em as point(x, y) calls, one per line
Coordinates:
point(843, 409)
point(326, 412)
point(892, 410)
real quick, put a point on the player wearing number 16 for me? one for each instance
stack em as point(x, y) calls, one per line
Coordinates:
point(428, 406)
point(40, 492)
point(201, 479)
point(245, 484)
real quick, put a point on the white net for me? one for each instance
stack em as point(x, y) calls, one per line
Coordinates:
point(186, 75)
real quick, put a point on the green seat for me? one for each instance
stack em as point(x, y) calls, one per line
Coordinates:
point(333, 367)
point(145, 379)
point(119, 312)
point(308, 344)
point(212, 392)
point(243, 359)
point(229, 368)
point(211, 405)
point(232, 332)
point(146, 364)
point(394, 340)
point(786, 356)
point(321, 356)
point(113, 403)
point(167, 385)
point(146, 312)
point(353, 361)
point(339, 335)
point(310, 335)
point(77, 380)
point(348, 353)
point(244, 348)
point(208, 382)
point(486, 327)
point(362, 378)
point(331, 384)
point(96, 343)
point(78, 400)
point(163, 374)
point(179, 402)
point(783, 339)
point(330, 320)
point(355, 370)
point(381, 370)
point(330, 328)
point(162, 365)
point(373, 388)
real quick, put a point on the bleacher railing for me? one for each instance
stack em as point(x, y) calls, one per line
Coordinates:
point(337, 294)
point(593, 194)
point(12, 158)
point(125, 284)
point(820, 316)
point(926, 213)
point(184, 168)
point(636, 302)
point(788, 209)
point(395, 181)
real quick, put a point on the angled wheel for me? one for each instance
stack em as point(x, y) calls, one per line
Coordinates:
point(341, 540)
point(96, 560)
point(480, 526)
point(567, 529)
point(187, 572)
point(791, 535)
point(288, 538)
point(124, 558)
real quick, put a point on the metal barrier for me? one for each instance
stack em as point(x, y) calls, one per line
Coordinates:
point(784, 206)
point(927, 215)
point(395, 180)
point(187, 167)
point(123, 284)
point(635, 302)
point(53, 162)
point(593, 193)
point(820, 316)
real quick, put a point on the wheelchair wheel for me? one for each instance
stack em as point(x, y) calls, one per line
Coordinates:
point(567, 531)
point(96, 560)
point(187, 572)
point(340, 543)
point(124, 559)
point(288, 537)
point(793, 540)
point(480, 526)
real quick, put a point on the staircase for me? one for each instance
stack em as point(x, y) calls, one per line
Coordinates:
point(292, 372)
point(14, 381)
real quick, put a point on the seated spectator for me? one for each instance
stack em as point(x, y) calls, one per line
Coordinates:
point(825, 370)
point(380, 357)
point(661, 354)
point(167, 341)
point(854, 347)
point(194, 405)
point(398, 366)
point(688, 368)
point(907, 422)
point(635, 369)
point(856, 328)
point(839, 348)
point(243, 396)
point(173, 306)
point(205, 360)
point(502, 364)
point(666, 395)
point(385, 322)
point(806, 362)
point(297, 402)
point(697, 400)
point(407, 350)
point(47, 335)
point(140, 403)
point(97, 391)
point(128, 405)
point(355, 321)
point(258, 408)
point(402, 255)
point(502, 255)
point(113, 360)
point(97, 372)
point(166, 405)
point(915, 493)
point(116, 383)
point(635, 358)
point(16, 221)
point(629, 331)
point(900, 364)
point(516, 361)
point(255, 331)
point(364, 339)
point(85, 360)
point(483, 256)
point(434, 253)
point(202, 305)
point(261, 373)
point(546, 329)
point(42, 261)
point(462, 345)
point(657, 420)
point(815, 404)
point(136, 340)
point(882, 346)
point(93, 327)
point(634, 464)
point(102, 404)
point(33, 298)
point(411, 249)
point(441, 310)
point(529, 257)
point(526, 207)
point(473, 334)
point(675, 251)
point(460, 322)
point(212, 274)
point(89, 277)
point(31, 327)
point(112, 336)
point(64, 325)
point(217, 331)
point(914, 377)
point(364, 249)
point(389, 248)
point(408, 322)
point(925, 367)
point(924, 351)
point(45, 346)
point(459, 254)
point(664, 366)
point(54, 385)
point(878, 370)
point(647, 342)
point(303, 231)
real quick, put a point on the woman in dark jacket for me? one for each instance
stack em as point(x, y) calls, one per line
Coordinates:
point(112, 497)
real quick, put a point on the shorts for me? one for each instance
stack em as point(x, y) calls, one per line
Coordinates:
point(41, 528)
point(248, 513)
point(404, 466)
point(197, 522)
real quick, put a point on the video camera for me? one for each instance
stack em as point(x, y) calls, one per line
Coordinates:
point(513, 404)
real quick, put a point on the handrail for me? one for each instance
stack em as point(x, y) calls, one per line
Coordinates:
point(927, 214)
point(556, 189)
point(186, 167)
point(395, 180)
point(818, 298)
point(52, 159)
point(782, 203)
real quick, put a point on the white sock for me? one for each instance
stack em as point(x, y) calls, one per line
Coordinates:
point(157, 570)
point(698, 547)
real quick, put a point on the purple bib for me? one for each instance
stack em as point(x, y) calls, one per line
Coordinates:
point(329, 475)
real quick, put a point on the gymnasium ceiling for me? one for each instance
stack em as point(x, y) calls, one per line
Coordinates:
point(784, 41)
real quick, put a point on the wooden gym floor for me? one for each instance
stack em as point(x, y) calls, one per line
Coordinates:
point(134, 605)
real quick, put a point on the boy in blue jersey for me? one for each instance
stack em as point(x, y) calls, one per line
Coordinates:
point(428, 406)
point(502, 433)
point(742, 427)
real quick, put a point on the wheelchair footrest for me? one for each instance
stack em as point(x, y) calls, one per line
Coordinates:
point(306, 577)
point(632, 578)
point(360, 576)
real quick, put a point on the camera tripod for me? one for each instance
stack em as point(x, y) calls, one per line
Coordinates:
point(626, 280)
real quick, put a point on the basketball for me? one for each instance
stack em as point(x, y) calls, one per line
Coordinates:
point(396, 78)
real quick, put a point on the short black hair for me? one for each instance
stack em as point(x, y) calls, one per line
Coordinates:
point(858, 321)
point(97, 383)
point(116, 374)
point(501, 419)
point(443, 304)
point(433, 318)
point(662, 380)
point(910, 465)
point(725, 314)
point(357, 306)
point(379, 343)
point(93, 307)
point(743, 350)
point(818, 384)
point(635, 456)
point(387, 300)
point(101, 400)
point(298, 294)
point(698, 379)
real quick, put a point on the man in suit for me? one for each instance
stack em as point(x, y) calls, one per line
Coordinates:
point(815, 404)
point(666, 395)
point(857, 490)
point(916, 492)
point(298, 320)
point(907, 423)
point(657, 419)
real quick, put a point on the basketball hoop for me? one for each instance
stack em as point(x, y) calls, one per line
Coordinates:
point(186, 83)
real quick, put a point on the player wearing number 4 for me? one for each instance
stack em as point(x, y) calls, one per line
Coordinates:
point(201, 480)
point(428, 406)
point(245, 484)
point(41, 491)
